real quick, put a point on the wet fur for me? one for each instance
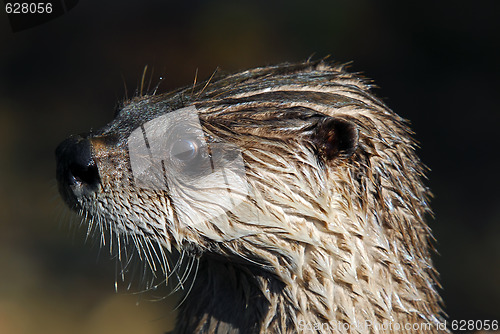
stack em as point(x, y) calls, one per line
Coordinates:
point(341, 234)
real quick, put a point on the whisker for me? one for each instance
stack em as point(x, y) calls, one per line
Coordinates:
point(208, 82)
point(142, 80)
point(194, 82)
point(150, 80)
point(125, 87)
point(191, 286)
point(158, 85)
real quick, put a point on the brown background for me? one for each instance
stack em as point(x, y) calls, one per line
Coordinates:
point(437, 64)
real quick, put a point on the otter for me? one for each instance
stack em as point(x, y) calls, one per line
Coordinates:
point(297, 193)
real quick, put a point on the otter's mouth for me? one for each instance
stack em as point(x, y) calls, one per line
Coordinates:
point(77, 173)
point(166, 182)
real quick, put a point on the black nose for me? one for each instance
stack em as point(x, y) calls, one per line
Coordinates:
point(76, 172)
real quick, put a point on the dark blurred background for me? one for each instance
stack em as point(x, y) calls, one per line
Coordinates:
point(437, 64)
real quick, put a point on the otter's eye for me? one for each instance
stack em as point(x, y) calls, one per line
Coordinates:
point(185, 149)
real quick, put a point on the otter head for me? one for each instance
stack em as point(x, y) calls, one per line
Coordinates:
point(297, 191)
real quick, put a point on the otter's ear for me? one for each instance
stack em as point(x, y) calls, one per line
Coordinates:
point(335, 137)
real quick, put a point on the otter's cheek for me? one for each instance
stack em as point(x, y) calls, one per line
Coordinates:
point(205, 181)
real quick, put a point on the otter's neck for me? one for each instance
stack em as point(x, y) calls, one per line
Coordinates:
point(230, 298)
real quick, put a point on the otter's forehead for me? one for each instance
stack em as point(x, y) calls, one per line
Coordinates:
point(266, 92)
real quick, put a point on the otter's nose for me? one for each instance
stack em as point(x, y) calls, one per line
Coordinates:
point(76, 172)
